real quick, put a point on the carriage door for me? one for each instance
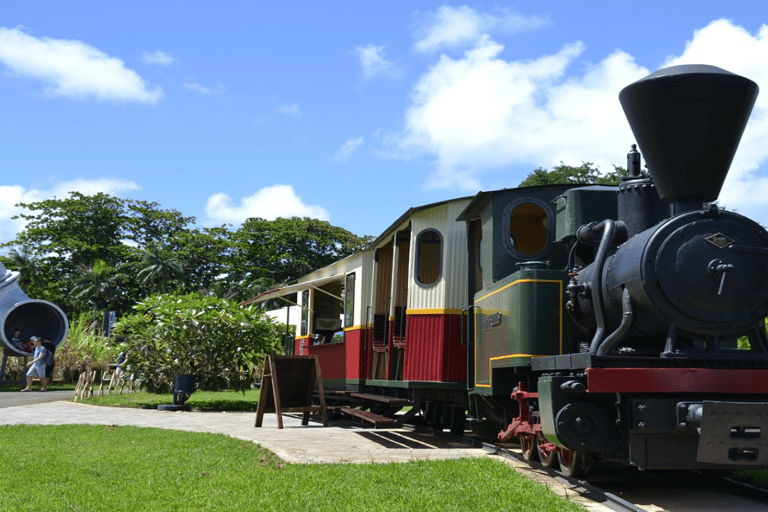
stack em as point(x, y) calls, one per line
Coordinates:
point(400, 294)
point(381, 303)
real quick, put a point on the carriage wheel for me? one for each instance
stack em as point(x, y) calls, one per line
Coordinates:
point(547, 457)
point(528, 446)
point(573, 464)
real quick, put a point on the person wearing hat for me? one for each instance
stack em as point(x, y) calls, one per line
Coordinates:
point(37, 365)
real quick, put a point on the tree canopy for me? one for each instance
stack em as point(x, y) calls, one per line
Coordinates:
point(585, 174)
point(99, 251)
point(285, 249)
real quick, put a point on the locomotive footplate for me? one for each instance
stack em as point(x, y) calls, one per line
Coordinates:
point(734, 433)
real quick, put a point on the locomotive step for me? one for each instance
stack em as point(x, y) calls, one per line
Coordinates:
point(377, 420)
point(389, 400)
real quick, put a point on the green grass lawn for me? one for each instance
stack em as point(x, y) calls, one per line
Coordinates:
point(77, 467)
point(346, 475)
point(199, 400)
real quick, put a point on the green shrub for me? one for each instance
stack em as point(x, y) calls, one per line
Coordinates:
point(217, 341)
point(84, 349)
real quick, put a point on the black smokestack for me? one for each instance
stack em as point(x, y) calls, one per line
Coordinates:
point(688, 121)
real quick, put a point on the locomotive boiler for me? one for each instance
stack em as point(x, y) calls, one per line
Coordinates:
point(697, 280)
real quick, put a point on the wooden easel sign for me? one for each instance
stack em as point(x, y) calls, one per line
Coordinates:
point(288, 385)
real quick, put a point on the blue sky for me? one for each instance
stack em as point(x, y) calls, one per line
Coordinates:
point(351, 111)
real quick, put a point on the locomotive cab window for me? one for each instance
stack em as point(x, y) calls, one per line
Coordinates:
point(527, 228)
point(429, 257)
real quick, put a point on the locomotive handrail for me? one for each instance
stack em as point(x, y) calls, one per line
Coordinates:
point(627, 319)
point(368, 327)
point(607, 232)
point(403, 308)
point(465, 342)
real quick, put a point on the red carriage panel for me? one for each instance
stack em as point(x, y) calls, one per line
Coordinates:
point(433, 349)
point(356, 354)
point(332, 358)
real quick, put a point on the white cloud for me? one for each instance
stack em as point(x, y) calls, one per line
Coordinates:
point(733, 48)
point(112, 186)
point(289, 110)
point(268, 203)
point(72, 69)
point(349, 147)
point(201, 89)
point(479, 113)
point(158, 58)
point(452, 27)
point(14, 194)
point(373, 62)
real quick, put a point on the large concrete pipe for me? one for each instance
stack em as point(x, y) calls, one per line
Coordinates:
point(33, 317)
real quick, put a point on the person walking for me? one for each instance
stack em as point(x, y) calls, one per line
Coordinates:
point(37, 365)
point(50, 361)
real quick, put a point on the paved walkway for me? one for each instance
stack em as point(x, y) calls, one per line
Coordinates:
point(294, 443)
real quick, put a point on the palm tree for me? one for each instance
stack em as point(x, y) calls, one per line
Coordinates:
point(25, 263)
point(159, 268)
point(96, 284)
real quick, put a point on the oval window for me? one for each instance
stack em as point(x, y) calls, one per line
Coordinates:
point(429, 250)
point(528, 225)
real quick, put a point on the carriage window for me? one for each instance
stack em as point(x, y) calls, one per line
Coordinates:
point(349, 301)
point(429, 251)
point(305, 312)
point(528, 229)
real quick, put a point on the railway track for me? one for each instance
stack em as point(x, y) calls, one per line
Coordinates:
point(625, 489)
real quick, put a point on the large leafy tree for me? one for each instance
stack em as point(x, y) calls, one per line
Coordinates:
point(207, 255)
point(282, 250)
point(68, 236)
point(585, 174)
point(70, 244)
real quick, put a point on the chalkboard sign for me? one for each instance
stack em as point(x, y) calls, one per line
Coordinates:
point(288, 385)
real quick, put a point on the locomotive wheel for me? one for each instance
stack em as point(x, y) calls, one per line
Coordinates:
point(547, 457)
point(528, 446)
point(573, 464)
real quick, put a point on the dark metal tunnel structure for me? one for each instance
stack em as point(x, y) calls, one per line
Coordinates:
point(33, 317)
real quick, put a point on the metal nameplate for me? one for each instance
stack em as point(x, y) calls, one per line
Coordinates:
point(491, 321)
point(720, 240)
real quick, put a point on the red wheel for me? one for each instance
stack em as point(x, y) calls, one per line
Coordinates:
point(528, 446)
point(546, 451)
point(573, 464)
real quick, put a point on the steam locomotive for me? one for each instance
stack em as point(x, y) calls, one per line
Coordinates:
point(589, 322)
